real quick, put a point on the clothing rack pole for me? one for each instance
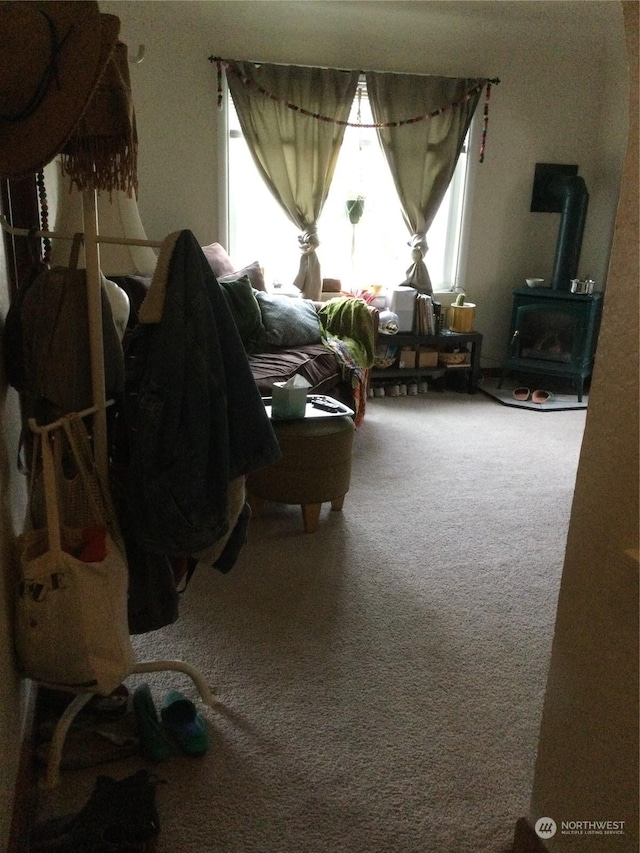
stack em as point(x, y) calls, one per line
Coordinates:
point(55, 235)
point(38, 428)
point(94, 302)
point(94, 308)
point(94, 317)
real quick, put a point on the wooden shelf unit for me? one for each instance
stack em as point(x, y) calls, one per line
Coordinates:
point(444, 341)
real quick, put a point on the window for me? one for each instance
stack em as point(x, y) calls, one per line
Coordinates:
point(373, 251)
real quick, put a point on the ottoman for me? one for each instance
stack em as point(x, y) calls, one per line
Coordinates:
point(315, 467)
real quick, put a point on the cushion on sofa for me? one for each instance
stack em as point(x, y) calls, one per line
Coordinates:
point(218, 259)
point(224, 268)
point(245, 310)
point(289, 322)
point(253, 271)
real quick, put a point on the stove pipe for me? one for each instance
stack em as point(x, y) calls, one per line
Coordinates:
point(571, 194)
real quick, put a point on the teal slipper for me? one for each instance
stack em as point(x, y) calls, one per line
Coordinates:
point(154, 744)
point(184, 723)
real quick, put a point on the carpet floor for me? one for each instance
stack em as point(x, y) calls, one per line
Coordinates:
point(379, 682)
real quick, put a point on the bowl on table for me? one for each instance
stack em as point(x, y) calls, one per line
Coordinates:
point(534, 282)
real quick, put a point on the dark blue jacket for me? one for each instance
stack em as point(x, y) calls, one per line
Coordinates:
point(195, 419)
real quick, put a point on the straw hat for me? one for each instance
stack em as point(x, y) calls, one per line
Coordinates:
point(52, 56)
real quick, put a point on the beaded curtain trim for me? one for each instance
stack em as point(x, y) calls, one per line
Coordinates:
point(230, 68)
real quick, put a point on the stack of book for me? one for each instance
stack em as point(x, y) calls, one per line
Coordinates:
point(424, 316)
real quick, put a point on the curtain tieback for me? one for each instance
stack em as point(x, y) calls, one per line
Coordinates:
point(419, 247)
point(308, 241)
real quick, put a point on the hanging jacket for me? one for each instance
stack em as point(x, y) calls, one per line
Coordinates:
point(195, 418)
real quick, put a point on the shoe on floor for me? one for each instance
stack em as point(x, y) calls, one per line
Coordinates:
point(541, 396)
point(184, 723)
point(120, 815)
point(154, 743)
point(521, 394)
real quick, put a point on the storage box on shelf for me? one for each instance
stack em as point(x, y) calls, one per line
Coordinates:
point(426, 357)
point(416, 357)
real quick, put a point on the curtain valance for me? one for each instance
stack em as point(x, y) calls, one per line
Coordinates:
point(476, 86)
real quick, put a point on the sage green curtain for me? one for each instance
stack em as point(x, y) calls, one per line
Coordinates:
point(422, 156)
point(296, 154)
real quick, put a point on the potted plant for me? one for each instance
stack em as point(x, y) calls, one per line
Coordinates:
point(462, 315)
point(355, 209)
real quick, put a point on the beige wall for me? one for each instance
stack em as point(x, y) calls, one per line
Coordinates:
point(587, 766)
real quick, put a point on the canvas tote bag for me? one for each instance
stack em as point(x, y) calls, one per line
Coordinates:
point(71, 628)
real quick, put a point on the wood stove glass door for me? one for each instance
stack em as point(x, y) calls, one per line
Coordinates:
point(547, 334)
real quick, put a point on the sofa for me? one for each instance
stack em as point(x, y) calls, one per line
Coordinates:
point(331, 344)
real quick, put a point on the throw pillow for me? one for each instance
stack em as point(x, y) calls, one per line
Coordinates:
point(289, 322)
point(246, 312)
point(254, 271)
point(218, 259)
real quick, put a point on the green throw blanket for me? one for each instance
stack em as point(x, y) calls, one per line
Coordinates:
point(350, 320)
point(348, 330)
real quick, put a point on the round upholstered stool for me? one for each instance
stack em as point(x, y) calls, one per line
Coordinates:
point(315, 467)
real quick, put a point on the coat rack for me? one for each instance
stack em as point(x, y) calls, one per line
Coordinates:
point(94, 309)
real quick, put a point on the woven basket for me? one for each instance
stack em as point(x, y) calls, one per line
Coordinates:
point(452, 357)
point(385, 356)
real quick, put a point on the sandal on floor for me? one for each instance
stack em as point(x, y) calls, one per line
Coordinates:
point(521, 394)
point(98, 710)
point(92, 745)
point(184, 723)
point(52, 703)
point(541, 396)
point(154, 743)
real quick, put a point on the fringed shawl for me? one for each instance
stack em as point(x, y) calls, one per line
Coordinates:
point(102, 154)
